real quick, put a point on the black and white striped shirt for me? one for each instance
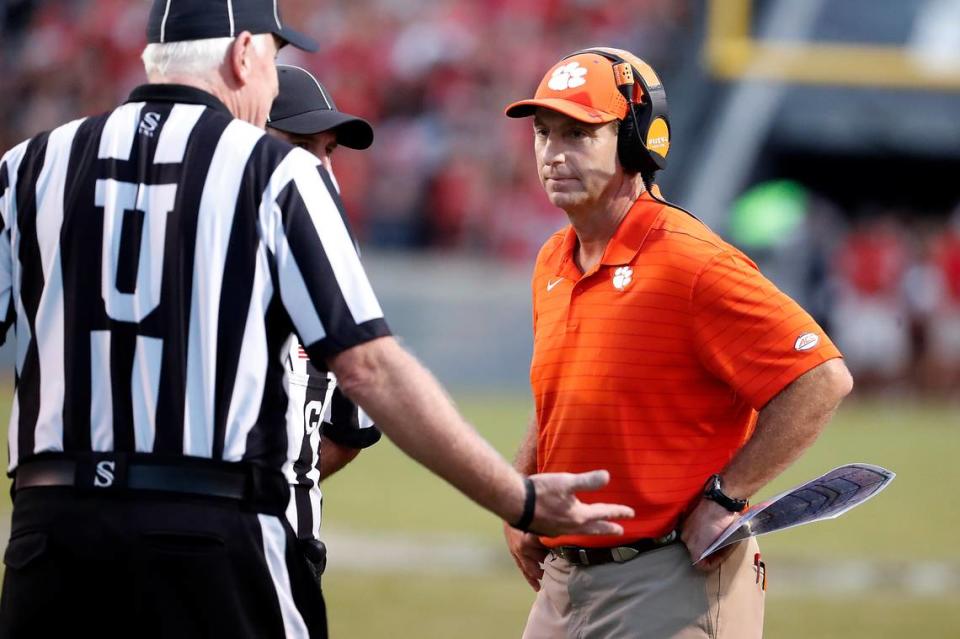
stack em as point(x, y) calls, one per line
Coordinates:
point(154, 262)
point(317, 408)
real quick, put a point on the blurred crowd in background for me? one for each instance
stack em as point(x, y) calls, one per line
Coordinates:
point(885, 284)
point(447, 169)
point(448, 172)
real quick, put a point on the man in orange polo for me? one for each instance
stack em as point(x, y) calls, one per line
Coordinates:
point(662, 354)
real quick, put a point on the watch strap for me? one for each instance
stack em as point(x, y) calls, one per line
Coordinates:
point(713, 490)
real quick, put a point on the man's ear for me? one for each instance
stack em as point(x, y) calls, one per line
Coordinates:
point(240, 58)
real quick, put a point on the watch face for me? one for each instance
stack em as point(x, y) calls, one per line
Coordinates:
point(715, 484)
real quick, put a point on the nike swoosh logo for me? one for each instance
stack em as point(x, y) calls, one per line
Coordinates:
point(551, 285)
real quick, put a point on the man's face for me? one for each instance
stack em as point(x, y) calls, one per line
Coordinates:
point(321, 144)
point(577, 162)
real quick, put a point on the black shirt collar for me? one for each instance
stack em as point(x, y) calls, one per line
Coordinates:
point(176, 93)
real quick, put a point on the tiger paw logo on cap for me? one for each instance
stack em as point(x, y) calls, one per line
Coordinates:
point(806, 341)
point(567, 76)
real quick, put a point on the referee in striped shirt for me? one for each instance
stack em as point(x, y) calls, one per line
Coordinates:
point(325, 430)
point(153, 262)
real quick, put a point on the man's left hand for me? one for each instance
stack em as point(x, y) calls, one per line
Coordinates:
point(701, 527)
point(528, 553)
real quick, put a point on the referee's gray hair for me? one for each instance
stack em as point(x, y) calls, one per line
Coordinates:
point(191, 57)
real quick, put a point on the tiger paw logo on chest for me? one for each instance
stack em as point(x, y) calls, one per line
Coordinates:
point(567, 76)
point(622, 277)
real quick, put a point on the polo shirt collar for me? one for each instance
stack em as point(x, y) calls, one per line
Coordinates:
point(633, 230)
point(565, 265)
point(179, 93)
point(622, 247)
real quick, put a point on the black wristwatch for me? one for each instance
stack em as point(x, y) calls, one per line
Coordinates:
point(713, 490)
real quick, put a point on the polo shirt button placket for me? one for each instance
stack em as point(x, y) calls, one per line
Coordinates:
point(572, 323)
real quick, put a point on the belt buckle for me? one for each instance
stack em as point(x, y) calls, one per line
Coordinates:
point(584, 559)
point(623, 554)
point(669, 538)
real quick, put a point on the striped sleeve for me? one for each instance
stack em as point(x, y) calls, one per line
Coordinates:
point(750, 334)
point(9, 164)
point(321, 281)
point(347, 425)
point(343, 421)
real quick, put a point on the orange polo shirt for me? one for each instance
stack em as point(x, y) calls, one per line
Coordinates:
point(654, 363)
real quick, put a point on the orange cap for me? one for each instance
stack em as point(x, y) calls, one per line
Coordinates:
point(583, 87)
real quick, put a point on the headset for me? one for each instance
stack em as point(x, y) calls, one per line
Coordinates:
point(644, 138)
point(643, 144)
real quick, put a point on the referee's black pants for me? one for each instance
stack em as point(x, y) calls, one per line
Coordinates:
point(136, 565)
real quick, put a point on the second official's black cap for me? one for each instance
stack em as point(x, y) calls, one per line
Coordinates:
point(180, 20)
point(304, 107)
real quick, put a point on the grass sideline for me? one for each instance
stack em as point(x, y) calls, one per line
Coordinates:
point(483, 607)
point(916, 518)
point(383, 489)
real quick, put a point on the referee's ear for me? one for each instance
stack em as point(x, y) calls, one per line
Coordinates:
point(240, 59)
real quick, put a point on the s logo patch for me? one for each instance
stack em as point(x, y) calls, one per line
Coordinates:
point(149, 123)
point(104, 474)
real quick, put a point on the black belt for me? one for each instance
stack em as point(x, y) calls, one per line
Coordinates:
point(267, 490)
point(579, 556)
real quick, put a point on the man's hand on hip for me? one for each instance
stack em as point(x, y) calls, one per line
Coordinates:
point(701, 527)
point(528, 553)
point(559, 512)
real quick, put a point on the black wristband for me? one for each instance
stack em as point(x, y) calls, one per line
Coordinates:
point(529, 505)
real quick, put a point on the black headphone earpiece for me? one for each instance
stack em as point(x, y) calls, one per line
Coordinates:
point(644, 138)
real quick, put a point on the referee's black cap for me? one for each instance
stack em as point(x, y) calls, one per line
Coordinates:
point(179, 20)
point(303, 106)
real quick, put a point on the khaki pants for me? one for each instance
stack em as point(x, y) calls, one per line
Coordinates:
point(658, 595)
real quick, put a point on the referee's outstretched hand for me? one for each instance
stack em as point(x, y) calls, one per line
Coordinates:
point(559, 512)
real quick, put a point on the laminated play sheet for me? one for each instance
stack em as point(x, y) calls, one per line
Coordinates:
point(826, 497)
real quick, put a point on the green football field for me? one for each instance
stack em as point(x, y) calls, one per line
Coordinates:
point(412, 558)
point(896, 558)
